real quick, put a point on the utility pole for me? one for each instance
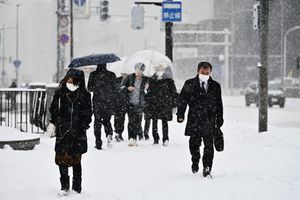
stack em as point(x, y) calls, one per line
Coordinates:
point(63, 28)
point(169, 40)
point(57, 42)
point(3, 56)
point(263, 69)
point(71, 30)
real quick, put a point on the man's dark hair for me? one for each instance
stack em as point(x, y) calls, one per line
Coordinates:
point(204, 65)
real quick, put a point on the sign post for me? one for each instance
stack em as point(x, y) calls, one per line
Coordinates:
point(171, 12)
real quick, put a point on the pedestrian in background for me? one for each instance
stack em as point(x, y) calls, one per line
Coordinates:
point(121, 108)
point(135, 86)
point(160, 101)
point(103, 85)
point(205, 116)
point(71, 113)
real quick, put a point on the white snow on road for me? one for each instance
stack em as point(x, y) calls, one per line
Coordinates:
point(253, 165)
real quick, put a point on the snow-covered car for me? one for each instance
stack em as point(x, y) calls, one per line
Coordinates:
point(276, 94)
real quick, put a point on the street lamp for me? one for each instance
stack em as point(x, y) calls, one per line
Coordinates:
point(285, 48)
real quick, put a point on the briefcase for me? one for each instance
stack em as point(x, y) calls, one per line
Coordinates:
point(219, 140)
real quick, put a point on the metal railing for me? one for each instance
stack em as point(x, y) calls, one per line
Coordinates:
point(24, 109)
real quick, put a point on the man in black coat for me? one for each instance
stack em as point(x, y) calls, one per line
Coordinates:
point(121, 107)
point(203, 96)
point(103, 85)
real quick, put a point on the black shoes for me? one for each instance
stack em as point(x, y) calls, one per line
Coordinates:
point(140, 137)
point(146, 136)
point(119, 138)
point(76, 186)
point(195, 168)
point(206, 172)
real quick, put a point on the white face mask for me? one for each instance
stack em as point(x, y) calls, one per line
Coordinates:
point(72, 87)
point(204, 77)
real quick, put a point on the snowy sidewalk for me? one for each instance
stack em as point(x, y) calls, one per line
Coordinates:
point(254, 165)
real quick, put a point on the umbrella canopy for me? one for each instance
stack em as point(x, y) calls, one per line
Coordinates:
point(117, 67)
point(154, 62)
point(94, 59)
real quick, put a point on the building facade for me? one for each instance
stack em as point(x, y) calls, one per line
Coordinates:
point(236, 16)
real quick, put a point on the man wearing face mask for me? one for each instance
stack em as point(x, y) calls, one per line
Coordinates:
point(203, 96)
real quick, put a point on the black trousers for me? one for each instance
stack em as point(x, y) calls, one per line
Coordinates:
point(119, 120)
point(208, 152)
point(165, 130)
point(146, 126)
point(102, 119)
point(135, 115)
point(64, 177)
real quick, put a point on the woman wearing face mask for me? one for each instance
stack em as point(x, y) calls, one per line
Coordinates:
point(71, 114)
point(160, 100)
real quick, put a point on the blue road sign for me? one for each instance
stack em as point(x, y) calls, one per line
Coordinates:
point(171, 11)
point(79, 2)
point(17, 63)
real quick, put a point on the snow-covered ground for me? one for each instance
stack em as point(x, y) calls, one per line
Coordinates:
point(253, 165)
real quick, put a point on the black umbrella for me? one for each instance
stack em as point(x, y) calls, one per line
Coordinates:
point(94, 59)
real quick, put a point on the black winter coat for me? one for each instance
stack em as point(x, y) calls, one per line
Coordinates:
point(205, 108)
point(129, 81)
point(161, 99)
point(122, 96)
point(71, 114)
point(103, 85)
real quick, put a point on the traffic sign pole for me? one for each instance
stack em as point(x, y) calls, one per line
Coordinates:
point(171, 12)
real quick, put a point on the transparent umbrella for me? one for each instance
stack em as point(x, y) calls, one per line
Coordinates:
point(154, 61)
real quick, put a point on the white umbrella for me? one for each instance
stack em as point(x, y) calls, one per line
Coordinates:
point(117, 67)
point(153, 60)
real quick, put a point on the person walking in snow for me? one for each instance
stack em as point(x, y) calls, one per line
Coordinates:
point(203, 96)
point(122, 108)
point(103, 85)
point(135, 86)
point(160, 101)
point(71, 113)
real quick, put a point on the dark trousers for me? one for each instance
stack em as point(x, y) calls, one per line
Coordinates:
point(64, 177)
point(164, 130)
point(208, 152)
point(102, 119)
point(135, 115)
point(119, 121)
point(146, 126)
